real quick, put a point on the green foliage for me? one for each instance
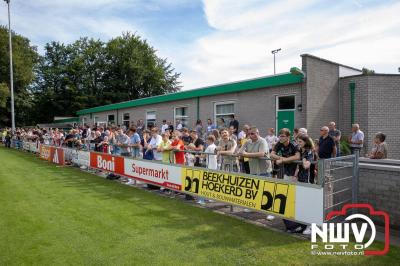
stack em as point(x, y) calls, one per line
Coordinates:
point(83, 74)
point(367, 71)
point(89, 73)
point(25, 58)
point(344, 147)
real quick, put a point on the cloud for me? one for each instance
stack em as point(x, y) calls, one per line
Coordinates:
point(237, 37)
point(352, 33)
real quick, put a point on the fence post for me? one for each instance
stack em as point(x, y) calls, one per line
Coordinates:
point(355, 177)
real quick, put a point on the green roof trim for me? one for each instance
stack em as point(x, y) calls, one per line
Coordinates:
point(66, 120)
point(263, 82)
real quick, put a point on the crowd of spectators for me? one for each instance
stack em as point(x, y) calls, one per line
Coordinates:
point(287, 155)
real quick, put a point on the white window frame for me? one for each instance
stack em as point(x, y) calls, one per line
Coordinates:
point(186, 117)
point(223, 103)
point(155, 120)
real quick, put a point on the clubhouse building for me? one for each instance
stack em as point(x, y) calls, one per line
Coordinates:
point(320, 92)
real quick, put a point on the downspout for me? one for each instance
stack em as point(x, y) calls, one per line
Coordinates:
point(352, 88)
point(117, 117)
point(198, 108)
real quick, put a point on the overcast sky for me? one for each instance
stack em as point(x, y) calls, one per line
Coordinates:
point(218, 41)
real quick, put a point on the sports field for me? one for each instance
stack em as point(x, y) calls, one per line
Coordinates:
point(53, 215)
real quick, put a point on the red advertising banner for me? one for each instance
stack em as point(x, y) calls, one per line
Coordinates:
point(107, 162)
point(52, 154)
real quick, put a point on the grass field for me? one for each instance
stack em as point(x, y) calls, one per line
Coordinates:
point(59, 215)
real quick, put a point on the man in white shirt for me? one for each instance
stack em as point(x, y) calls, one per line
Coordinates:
point(155, 141)
point(211, 157)
point(164, 126)
point(179, 125)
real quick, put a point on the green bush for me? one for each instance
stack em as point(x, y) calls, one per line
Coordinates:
point(344, 148)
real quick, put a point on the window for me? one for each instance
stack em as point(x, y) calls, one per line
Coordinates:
point(126, 120)
point(224, 110)
point(111, 119)
point(150, 119)
point(286, 103)
point(181, 114)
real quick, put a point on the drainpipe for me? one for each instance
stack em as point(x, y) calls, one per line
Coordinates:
point(198, 108)
point(352, 88)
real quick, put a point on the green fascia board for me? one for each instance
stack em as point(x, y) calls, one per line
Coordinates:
point(264, 82)
point(66, 120)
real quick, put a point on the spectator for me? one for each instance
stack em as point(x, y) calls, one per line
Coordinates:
point(155, 141)
point(217, 136)
point(140, 127)
point(179, 125)
point(177, 146)
point(123, 142)
point(356, 139)
point(379, 149)
point(186, 138)
point(199, 128)
point(135, 142)
point(336, 135)
point(226, 149)
point(164, 148)
point(232, 133)
point(326, 144)
point(164, 126)
point(211, 158)
point(284, 153)
point(256, 150)
point(210, 127)
point(305, 173)
point(271, 138)
point(7, 139)
point(235, 124)
point(243, 134)
point(147, 153)
point(221, 123)
point(170, 127)
point(198, 146)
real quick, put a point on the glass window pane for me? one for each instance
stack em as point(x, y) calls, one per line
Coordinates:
point(286, 102)
point(126, 117)
point(181, 111)
point(225, 108)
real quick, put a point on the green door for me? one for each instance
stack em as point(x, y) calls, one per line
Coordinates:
point(285, 120)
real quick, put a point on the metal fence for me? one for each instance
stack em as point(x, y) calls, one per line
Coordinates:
point(339, 178)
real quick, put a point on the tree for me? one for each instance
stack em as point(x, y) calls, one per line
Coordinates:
point(134, 71)
point(89, 73)
point(367, 71)
point(25, 58)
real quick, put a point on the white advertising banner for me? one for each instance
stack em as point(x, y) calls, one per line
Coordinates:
point(155, 173)
point(82, 158)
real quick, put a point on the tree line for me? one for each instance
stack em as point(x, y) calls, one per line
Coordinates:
point(79, 75)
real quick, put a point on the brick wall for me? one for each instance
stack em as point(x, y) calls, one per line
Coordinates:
point(379, 186)
point(322, 83)
point(377, 109)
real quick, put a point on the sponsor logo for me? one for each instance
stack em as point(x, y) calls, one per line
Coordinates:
point(156, 173)
point(334, 238)
point(108, 165)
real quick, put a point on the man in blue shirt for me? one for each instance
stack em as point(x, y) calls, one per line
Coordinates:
point(135, 142)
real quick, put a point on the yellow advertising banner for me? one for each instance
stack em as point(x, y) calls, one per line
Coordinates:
point(260, 194)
